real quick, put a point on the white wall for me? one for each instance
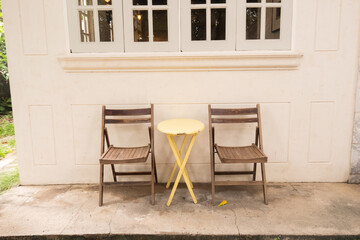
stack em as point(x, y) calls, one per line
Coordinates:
point(307, 108)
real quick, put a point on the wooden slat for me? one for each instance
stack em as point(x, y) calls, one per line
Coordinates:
point(131, 173)
point(233, 183)
point(241, 111)
point(128, 121)
point(128, 183)
point(128, 112)
point(234, 120)
point(234, 173)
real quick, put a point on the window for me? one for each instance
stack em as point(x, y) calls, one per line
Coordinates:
point(179, 25)
point(208, 25)
point(95, 25)
point(151, 25)
point(264, 25)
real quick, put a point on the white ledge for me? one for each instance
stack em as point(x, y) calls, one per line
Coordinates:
point(165, 62)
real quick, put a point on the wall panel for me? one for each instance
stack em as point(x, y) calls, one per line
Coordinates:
point(42, 135)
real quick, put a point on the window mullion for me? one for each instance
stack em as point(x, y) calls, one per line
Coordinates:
point(208, 23)
point(96, 25)
point(263, 22)
point(150, 21)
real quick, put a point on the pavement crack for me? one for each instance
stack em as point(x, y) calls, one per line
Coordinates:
point(236, 221)
point(112, 218)
point(74, 216)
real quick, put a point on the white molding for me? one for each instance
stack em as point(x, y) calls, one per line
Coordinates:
point(167, 62)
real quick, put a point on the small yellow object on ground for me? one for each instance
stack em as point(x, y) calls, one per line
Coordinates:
point(222, 203)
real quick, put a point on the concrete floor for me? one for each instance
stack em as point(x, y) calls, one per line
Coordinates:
point(310, 209)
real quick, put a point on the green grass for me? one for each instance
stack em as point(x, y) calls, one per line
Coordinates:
point(6, 126)
point(9, 179)
point(7, 147)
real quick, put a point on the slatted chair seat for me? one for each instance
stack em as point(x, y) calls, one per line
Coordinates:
point(245, 154)
point(118, 155)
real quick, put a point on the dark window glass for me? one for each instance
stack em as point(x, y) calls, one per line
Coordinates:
point(218, 1)
point(159, 2)
point(253, 1)
point(273, 20)
point(218, 23)
point(253, 16)
point(139, 2)
point(273, 1)
point(198, 1)
point(141, 26)
point(160, 26)
point(198, 24)
point(106, 26)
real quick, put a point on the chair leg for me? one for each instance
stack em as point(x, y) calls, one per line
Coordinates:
point(264, 182)
point(156, 178)
point(113, 172)
point(254, 175)
point(213, 180)
point(153, 182)
point(101, 184)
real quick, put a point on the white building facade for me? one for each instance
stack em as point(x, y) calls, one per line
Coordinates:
point(297, 58)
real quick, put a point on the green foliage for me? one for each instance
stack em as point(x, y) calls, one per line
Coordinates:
point(6, 127)
point(12, 143)
point(4, 72)
point(5, 106)
point(9, 179)
point(4, 150)
point(3, 58)
point(7, 147)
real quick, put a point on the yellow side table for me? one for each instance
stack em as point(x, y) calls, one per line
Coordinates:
point(186, 128)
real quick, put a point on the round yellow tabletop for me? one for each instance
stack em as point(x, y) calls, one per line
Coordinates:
point(180, 126)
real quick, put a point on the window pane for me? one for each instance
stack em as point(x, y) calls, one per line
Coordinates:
point(104, 2)
point(198, 1)
point(273, 1)
point(106, 26)
point(253, 1)
point(273, 17)
point(139, 2)
point(159, 2)
point(141, 26)
point(84, 2)
point(253, 16)
point(160, 26)
point(218, 1)
point(86, 26)
point(218, 22)
point(198, 24)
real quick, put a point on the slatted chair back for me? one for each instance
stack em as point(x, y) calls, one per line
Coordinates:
point(236, 115)
point(126, 116)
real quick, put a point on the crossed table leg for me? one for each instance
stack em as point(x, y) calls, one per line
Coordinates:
point(181, 163)
point(176, 164)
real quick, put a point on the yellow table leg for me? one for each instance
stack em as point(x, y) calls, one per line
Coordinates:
point(182, 167)
point(176, 164)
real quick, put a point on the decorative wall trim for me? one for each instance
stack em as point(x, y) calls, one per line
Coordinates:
point(167, 62)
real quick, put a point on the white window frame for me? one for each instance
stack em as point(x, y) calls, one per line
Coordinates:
point(172, 45)
point(179, 27)
point(284, 43)
point(74, 27)
point(208, 45)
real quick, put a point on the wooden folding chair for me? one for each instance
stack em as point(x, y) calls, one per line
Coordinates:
point(127, 155)
point(238, 154)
